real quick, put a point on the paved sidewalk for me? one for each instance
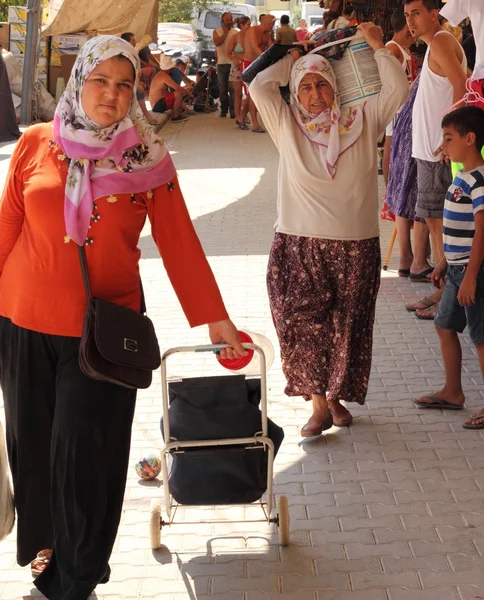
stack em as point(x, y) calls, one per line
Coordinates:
point(389, 509)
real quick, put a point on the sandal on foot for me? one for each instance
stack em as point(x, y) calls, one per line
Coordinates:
point(40, 562)
point(422, 277)
point(438, 403)
point(309, 431)
point(428, 314)
point(258, 130)
point(426, 302)
point(479, 425)
point(404, 272)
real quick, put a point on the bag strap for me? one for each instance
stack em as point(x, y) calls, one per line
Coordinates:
point(87, 285)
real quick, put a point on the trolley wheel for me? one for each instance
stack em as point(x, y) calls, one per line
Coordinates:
point(155, 524)
point(207, 109)
point(283, 523)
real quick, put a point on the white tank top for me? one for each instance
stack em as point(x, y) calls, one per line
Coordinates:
point(434, 97)
point(407, 61)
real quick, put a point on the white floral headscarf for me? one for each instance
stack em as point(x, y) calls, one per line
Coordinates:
point(127, 157)
point(334, 130)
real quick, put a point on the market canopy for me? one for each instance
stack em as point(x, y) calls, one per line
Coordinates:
point(62, 17)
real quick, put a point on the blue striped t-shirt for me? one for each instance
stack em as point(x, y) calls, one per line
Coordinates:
point(464, 198)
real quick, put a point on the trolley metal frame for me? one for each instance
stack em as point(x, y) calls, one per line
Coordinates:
point(174, 446)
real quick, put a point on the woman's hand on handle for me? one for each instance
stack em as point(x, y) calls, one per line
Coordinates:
point(226, 332)
point(373, 35)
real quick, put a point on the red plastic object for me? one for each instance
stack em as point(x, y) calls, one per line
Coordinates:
point(236, 364)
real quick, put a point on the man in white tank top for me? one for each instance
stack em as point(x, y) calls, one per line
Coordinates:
point(442, 83)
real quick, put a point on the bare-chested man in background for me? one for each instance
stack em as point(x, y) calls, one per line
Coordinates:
point(257, 40)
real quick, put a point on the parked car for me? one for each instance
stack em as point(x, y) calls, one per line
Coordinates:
point(180, 40)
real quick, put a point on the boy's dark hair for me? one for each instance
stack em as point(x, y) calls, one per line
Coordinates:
point(348, 10)
point(398, 19)
point(180, 62)
point(429, 4)
point(285, 20)
point(127, 36)
point(467, 119)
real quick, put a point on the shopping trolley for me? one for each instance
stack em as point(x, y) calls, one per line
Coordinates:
point(235, 470)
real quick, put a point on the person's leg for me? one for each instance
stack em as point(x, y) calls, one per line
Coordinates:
point(420, 246)
point(223, 88)
point(436, 228)
point(253, 116)
point(475, 322)
point(301, 311)
point(89, 459)
point(450, 319)
point(237, 99)
point(477, 420)
point(404, 228)
point(144, 110)
point(452, 357)
point(387, 151)
point(27, 378)
point(356, 277)
point(232, 99)
point(175, 113)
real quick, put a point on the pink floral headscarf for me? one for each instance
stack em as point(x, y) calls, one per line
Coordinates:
point(334, 130)
point(127, 157)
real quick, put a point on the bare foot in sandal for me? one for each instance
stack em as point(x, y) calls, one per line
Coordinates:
point(476, 421)
point(40, 562)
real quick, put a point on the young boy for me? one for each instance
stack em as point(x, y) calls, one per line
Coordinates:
point(462, 266)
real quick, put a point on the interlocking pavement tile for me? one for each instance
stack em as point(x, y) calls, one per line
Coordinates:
point(336, 581)
point(422, 548)
point(440, 593)
point(398, 549)
point(400, 565)
point(364, 581)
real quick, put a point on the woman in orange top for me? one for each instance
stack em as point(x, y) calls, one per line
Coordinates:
point(91, 178)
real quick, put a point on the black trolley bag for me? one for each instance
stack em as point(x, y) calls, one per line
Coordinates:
point(215, 408)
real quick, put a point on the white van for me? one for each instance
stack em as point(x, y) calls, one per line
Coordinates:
point(207, 20)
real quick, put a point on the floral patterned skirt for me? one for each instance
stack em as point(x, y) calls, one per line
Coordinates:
point(322, 295)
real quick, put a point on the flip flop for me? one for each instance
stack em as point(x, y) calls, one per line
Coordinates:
point(403, 272)
point(258, 130)
point(477, 425)
point(428, 314)
point(314, 431)
point(438, 403)
point(427, 303)
point(422, 277)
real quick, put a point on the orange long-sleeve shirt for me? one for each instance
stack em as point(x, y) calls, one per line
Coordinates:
point(41, 286)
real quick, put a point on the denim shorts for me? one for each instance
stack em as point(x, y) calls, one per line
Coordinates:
point(433, 181)
point(451, 315)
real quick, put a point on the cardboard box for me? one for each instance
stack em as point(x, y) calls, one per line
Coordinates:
point(18, 31)
point(42, 66)
point(54, 73)
point(17, 14)
point(4, 35)
point(17, 47)
point(67, 62)
point(65, 44)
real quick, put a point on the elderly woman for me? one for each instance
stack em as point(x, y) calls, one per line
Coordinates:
point(324, 266)
point(91, 178)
